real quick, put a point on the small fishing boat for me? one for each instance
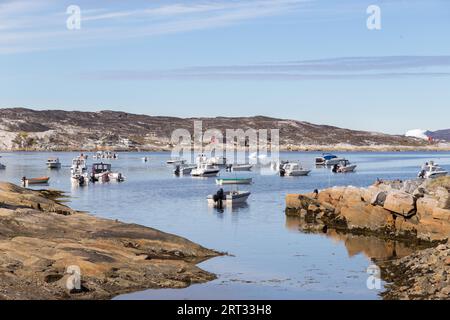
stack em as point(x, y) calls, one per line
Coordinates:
point(293, 169)
point(343, 166)
point(241, 167)
point(205, 170)
point(234, 181)
point(321, 161)
point(53, 163)
point(79, 171)
point(431, 170)
point(217, 161)
point(176, 161)
point(228, 198)
point(334, 161)
point(32, 181)
point(101, 172)
point(183, 169)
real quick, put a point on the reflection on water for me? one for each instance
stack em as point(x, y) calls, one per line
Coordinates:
point(372, 247)
point(270, 258)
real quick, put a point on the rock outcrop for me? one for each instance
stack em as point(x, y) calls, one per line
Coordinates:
point(421, 275)
point(42, 241)
point(416, 210)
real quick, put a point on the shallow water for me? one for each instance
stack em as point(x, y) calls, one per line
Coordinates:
point(271, 257)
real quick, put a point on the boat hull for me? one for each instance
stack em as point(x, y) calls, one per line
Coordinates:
point(241, 168)
point(233, 181)
point(207, 173)
point(297, 173)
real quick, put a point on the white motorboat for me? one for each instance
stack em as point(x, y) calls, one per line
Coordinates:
point(228, 198)
point(344, 166)
point(101, 172)
point(217, 161)
point(234, 181)
point(176, 161)
point(205, 170)
point(184, 169)
point(432, 170)
point(53, 163)
point(79, 171)
point(320, 161)
point(334, 161)
point(241, 167)
point(293, 169)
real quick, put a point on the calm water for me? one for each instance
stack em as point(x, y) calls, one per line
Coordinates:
point(271, 258)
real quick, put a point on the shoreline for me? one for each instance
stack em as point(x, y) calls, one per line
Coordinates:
point(40, 238)
point(414, 212)
point(312, 149)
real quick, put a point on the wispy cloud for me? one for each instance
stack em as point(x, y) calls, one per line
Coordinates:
point(334, 68)
point(28, 25)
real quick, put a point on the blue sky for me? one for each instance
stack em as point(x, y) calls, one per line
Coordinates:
point(307, 60)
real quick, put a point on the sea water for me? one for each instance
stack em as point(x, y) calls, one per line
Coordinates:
point(269, 257)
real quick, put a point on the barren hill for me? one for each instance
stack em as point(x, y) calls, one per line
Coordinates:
point(73, 130)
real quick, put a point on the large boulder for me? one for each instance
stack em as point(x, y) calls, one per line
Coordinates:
point(441, 214)
point(425, 207)
point(443, 196)
point(400, 202)
point(363, 216)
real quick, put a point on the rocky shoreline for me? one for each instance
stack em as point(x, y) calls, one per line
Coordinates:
point(41, 240)
point(416, 212)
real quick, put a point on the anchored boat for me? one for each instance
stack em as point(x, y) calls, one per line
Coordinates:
point(205, 170)
point(228, 198)
point(183, 169)
point(33, 181)
point(321, 161)
point(344, 166)
point(293, 169)
point(234, 181)
point(53, 163)
point(430, 170)
point(101, 172)
point(79, 171)
point(241, 167)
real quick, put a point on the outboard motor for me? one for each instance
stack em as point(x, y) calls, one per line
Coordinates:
point(177, 170)
point(282, 172)
point(228, 167)
point(218, 198)
point(422, 174)
point(335, 168)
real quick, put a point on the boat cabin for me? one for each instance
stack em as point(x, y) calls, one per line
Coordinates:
point(101, 167)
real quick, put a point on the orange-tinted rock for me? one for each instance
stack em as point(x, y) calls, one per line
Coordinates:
point(400, 202)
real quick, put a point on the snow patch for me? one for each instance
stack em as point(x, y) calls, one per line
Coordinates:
point(417, 133)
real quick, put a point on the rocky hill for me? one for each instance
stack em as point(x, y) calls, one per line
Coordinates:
point(440, 134)
point(25, 129)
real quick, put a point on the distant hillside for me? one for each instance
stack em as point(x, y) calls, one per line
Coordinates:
point(440, 135)
point(73, 130)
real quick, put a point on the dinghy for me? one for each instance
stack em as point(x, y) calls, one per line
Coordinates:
point(33, 181)
point(228, 198)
